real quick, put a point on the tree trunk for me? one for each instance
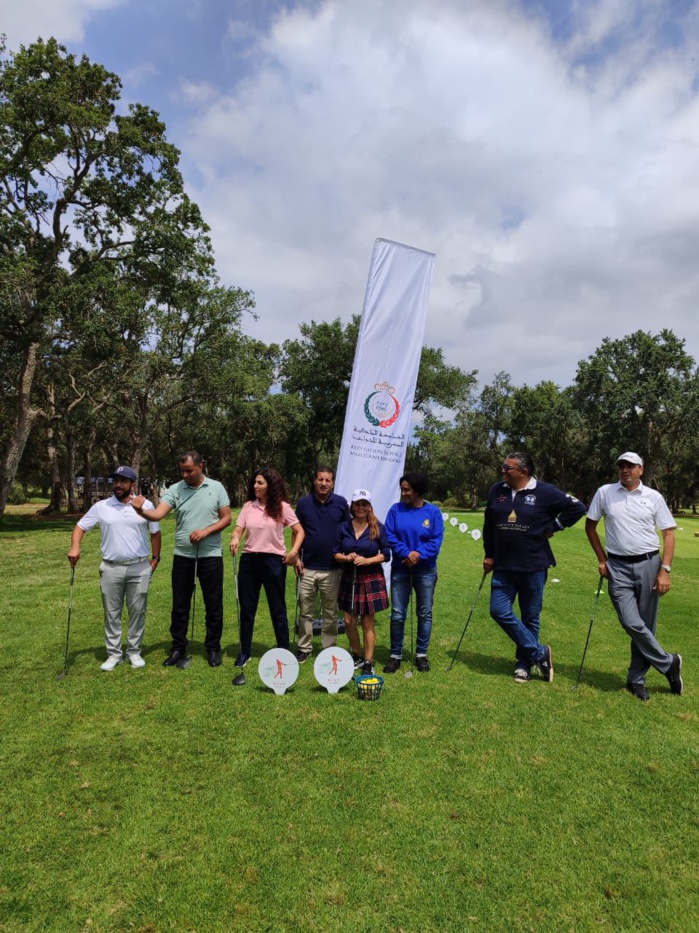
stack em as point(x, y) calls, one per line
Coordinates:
point(24, 419)
point(70, 474)
point(87, 471)
point(57, 486)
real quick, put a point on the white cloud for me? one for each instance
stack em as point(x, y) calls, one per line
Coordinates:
point(555, 178)
point(23, 22)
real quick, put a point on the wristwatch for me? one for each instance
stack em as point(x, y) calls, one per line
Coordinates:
point(666, 567)
point(156, 558)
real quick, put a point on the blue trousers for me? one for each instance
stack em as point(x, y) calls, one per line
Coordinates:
point(423, 582)
point(528, 590)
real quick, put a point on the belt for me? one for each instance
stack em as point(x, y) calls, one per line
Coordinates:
point(634, 558)
point(125, 563)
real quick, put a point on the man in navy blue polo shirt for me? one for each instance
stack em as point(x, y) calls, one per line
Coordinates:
point(321, 514)
point(521, 515)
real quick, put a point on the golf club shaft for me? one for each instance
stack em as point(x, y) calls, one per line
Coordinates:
point(70, 612)
point(412, 630)
point(589, 631)
point(480, 587)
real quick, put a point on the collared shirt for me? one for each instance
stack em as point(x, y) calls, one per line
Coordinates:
point(197, 508)
point(630, 518)
point(517, 523)
point(265, 535)
point(124, 534)
point(321, 521)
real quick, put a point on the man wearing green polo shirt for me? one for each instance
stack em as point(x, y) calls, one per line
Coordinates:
point(202, 511)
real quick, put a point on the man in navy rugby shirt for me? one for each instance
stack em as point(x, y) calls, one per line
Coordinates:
point(521, 515)
point(321, 514)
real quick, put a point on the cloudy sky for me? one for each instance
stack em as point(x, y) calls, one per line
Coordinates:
point(546, 150)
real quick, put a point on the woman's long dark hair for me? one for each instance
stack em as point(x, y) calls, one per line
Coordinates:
point(276, 491)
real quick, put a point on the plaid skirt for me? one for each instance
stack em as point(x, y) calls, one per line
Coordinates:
point(370, 593)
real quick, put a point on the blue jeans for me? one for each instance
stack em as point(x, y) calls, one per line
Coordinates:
point(528, 589)
point(423, 582)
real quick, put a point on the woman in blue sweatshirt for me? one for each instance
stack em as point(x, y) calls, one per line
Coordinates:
point(415, 530)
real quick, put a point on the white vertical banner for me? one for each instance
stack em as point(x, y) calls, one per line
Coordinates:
point(384, 376)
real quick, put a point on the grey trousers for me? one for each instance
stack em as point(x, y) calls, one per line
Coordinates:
point(636, 603)
point(124, 583)
point(327, 583)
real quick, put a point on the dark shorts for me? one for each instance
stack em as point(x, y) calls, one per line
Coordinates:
point(370, 593)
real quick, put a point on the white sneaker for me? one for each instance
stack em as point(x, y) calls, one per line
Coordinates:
point(111, 662)
point(136, 660)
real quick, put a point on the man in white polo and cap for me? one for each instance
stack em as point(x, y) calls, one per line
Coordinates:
point(126, 567)
point(637, 574)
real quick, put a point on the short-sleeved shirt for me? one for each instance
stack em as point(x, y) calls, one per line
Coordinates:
point(124, 534)
point(630, 518)
point(194, 509)
point(264, 534)
point(321, 521)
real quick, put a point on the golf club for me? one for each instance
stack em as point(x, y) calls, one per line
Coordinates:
point(589, 632)
point(185, 663)
point(352, 604)
point(296, 608)
point(467, 622)
point(409, 673)
point(239, 680)
point(62, 675)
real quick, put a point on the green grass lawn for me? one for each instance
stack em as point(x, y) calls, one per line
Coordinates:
point(161, 800)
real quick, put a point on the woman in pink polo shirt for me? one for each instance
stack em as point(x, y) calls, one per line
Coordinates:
point(264, 560)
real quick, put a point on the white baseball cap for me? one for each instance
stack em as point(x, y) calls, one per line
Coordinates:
point(630, 457)
point(361, 494)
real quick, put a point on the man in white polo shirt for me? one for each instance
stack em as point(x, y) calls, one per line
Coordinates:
point(126, 569)
point(638, 576)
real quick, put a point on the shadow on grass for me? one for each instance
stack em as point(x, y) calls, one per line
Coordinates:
point(14, 524)
point(501, 667)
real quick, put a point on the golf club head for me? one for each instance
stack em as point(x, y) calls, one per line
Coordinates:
point(185, 663)
point(239, 681)
point(62, 675)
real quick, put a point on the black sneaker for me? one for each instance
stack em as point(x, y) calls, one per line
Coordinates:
point(522, 674)
point(368, 667)
point(639, 691)
point(422, 664)
point(357, 660)
point(392, 666)
point(674, 675)
point(302, 656)
point(546, 665)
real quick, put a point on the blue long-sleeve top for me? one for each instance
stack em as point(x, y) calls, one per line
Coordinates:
point(410, 529)
point(347, 543)
point(515, 528)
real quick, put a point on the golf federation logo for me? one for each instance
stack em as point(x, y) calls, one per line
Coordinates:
point(382, 407)
point(426, 523)
point(530, 500)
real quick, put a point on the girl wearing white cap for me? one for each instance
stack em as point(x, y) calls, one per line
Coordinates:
point(361, 548)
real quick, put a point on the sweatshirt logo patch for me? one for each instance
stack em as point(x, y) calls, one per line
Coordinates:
point(530, 500)
point(426, 523)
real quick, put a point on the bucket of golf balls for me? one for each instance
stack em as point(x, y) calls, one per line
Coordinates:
point(369, 686)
